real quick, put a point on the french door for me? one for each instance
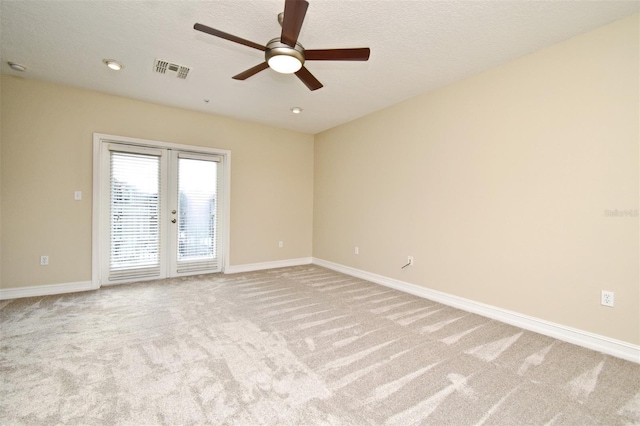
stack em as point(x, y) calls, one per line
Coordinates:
point(160, 212)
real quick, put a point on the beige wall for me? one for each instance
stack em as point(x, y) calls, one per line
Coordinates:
point(498, 186)
point(46, 145)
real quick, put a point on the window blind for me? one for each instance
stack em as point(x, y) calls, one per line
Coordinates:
point(197, 213)
point(135, 215)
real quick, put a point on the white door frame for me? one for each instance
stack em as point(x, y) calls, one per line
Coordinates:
point(98, 199)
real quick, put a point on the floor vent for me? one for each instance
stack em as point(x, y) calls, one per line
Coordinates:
point(169, 68)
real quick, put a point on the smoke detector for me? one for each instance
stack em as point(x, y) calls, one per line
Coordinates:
point(165, 67)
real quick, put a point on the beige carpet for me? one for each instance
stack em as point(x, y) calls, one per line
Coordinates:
point(293, 346)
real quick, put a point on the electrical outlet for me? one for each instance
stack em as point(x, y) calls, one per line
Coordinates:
point(44, 260)
point(410, 260)
point(356, 250)
point(280, 244)
point(606, 298)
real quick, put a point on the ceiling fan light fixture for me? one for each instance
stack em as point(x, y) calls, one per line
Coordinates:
point(284, 64)
point(283, 58)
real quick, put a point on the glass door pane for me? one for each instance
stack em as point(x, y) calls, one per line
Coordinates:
point(197, 214)
point(134, 215)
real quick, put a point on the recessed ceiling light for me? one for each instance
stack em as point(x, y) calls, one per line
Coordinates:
point(296, 110)
point(114, 65)
point(17, 67)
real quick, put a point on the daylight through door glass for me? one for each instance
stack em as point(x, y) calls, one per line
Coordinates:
point(197, 218)
point(135, 215)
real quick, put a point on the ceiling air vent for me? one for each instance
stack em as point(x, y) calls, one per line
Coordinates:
point(169, 68)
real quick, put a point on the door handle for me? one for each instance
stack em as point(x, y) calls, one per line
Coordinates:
point(173, 221)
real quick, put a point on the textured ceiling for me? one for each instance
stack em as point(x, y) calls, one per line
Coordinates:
point(416, 46)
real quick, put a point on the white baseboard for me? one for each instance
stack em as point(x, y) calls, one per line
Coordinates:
point(51, 289)
point(578, 337)
point(45, 290)
point(234, 269)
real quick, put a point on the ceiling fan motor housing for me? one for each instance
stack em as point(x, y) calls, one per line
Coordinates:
point(275, 48)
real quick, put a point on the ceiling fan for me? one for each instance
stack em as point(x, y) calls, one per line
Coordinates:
point(285, 54)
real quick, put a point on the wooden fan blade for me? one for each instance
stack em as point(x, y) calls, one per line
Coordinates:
point(228, 36)
point(251, 71)
point(308, 79)
point(359, 54)
point(294, 12)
